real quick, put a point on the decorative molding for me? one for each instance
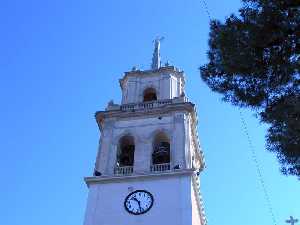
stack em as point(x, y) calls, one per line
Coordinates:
point(117, 179)
point(163, 109)
point(200, 206)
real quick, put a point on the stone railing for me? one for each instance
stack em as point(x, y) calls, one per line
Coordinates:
point(151, 104)
point(145, 105)
point(160, 167)
point(123, 170)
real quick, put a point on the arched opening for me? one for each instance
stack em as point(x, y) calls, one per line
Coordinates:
point(150, 95)
point(125, 157)
point(161, 152)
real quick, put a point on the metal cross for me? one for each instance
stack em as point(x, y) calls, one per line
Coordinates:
point(292, 221)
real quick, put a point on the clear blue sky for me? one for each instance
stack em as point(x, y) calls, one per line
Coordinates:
point(60, 61)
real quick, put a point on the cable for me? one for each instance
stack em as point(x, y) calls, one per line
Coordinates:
point(258, 168)
point(206, 9)
point(252, 149)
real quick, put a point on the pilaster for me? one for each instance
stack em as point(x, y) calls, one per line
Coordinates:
point(179, 140)
point(104, 147)
point(142, 158)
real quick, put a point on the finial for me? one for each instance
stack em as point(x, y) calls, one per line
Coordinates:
point(156, 54)
point(167, 63)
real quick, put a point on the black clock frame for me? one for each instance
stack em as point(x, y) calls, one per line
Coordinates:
point(138, 213)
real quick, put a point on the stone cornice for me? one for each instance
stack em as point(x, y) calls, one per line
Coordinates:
point(163, 109)
point(118, 179)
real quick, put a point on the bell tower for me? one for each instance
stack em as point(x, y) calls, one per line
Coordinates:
point(149, 158)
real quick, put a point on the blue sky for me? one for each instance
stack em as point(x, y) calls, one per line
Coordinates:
point(60, 61)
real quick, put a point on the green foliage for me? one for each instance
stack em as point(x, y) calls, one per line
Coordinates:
point(254, 61)
point(283, 136)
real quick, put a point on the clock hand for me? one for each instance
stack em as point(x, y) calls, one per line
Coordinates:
point(140, 206)
point(135, 199)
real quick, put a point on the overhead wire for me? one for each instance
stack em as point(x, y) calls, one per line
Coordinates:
point(206, 9)
point(258, 168)
point(252, 149)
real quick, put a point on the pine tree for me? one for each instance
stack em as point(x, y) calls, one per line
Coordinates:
point(254, 61)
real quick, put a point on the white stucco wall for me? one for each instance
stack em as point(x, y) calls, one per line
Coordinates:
point(173, 202)
point(143, 130)
point(175, 199)
point(167, 86)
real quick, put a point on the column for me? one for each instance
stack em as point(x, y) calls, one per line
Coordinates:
point(142, 156)
point(178, 141)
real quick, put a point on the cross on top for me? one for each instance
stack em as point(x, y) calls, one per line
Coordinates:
point(292, 221)
point(156, 54)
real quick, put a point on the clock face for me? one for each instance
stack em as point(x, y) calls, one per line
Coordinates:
point(138, 202)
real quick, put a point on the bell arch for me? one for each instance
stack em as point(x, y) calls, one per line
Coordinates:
point(149, 94)
point(161, 149)
point(125, 153)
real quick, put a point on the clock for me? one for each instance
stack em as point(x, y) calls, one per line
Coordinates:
point(138, 202)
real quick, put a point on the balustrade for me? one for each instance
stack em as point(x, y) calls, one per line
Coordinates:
point(160, 167)
point(123, 170)
point(145, 105)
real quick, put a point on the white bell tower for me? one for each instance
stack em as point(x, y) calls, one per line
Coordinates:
point(149, 158)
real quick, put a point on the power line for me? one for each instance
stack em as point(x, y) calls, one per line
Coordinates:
point(206, 9)
point(258, 168)
point(252, 149)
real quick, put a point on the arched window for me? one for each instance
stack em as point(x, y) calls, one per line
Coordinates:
point(161, 150)
point(126, 151)
point(150, 95)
